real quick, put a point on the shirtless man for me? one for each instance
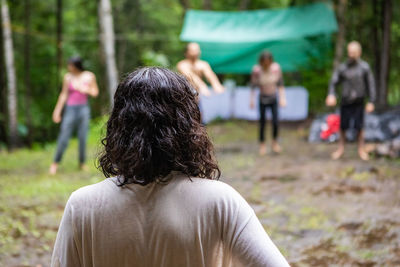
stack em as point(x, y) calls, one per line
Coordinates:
point(357, 82)
point(195, 69)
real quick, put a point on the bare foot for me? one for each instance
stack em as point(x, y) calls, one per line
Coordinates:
point(338, 153)
point(276, 148)
point(263, 149)
point(363, 154)
point(369, 148)
point(53, 168)
point(83, 167)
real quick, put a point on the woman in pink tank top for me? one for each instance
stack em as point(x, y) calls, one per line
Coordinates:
point(76, 97)
point(78, 85)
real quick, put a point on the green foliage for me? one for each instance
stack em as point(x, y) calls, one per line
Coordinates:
point(31, 201)
point(151, 58)
point(315, 75)
point(147, 33)
point(394, 85)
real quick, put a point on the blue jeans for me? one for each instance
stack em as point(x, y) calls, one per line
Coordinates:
point(74, 118)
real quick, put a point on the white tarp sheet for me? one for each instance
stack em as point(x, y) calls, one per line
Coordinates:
point(236, 104)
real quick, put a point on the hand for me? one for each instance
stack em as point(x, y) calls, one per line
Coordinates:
point(56, 116)
point(219, 89)
point(330, 101)
point(282, 102)
point(370, 107)
point(84, 88)
point(204, 91)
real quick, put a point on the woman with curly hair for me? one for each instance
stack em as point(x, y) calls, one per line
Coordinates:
point(162, 204)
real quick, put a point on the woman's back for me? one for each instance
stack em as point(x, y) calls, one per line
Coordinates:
point(154, 214)
point(187, 222)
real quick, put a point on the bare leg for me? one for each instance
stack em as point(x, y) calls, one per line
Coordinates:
point(83, 167)
point(53, 168)
point(342, 141)
point(263, 149)
point(361, 150)
point(276, 147)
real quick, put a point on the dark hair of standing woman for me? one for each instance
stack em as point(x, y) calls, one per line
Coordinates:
point(77, 63)
point(155, 128)
point(265, 55)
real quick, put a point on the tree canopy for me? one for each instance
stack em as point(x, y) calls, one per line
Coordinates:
point(147, 33)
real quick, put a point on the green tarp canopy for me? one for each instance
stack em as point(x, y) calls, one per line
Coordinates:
point(232, 41)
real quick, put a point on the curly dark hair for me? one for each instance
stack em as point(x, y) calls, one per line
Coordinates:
point(155, 128)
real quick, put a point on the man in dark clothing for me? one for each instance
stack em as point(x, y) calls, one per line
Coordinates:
point(357, 82)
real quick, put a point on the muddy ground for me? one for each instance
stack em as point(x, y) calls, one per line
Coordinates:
point(319, 212)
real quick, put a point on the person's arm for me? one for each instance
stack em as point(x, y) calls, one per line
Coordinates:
point(65, 252)
point(253, 85)
point(253, 247)
point(62, 99)
point(93, 88)
point(198, 83)
point(282, 96)
point(212, 78)
point(89, 85)
point(371, 90)
point(281, 90)
point(244, 235)
point(331, 98)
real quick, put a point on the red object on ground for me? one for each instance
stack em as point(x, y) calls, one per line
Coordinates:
point(332, 126)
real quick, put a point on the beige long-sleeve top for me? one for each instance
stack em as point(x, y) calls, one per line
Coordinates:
point(267, 80)
point(187, 222)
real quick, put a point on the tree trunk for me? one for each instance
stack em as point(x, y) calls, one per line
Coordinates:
point(244, 4)
point(59, 15)
point(207, 4)
point(185, 4)
point(107, 40)
point(27, 69)
point(3, 95)
point(385, 55)
point(341, 35)
point(121, 53)
point(376, 42)
point(11, 77)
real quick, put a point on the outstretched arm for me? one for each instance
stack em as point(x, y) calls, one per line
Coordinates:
point(212, 78)
point(62, 98)
point(198, 83)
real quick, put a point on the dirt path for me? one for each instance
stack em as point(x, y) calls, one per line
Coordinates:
point(318, 211)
